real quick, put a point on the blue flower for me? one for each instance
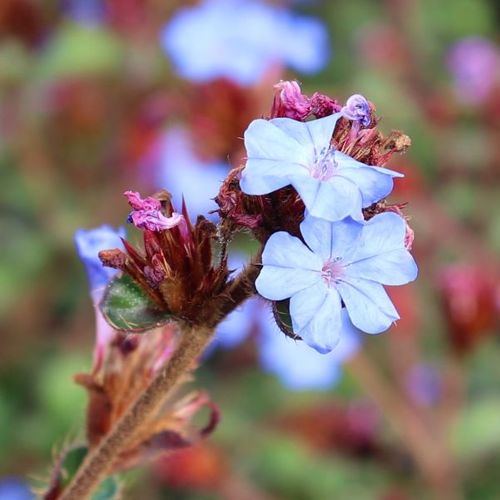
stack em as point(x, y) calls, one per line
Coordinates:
point(332, 185)
point(89, 242)
point(183, 174)
point(344, 261)
point(241, 39)
point(87, 12)
point(299, 367)
point(12, 488)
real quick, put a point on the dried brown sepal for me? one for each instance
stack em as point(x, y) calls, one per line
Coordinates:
point(129, 366)
point(369, 145)
point(282, 210)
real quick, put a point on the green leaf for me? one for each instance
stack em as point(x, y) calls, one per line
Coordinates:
point(127, 307)
point(69, 463)
point(72, 461)
point(281, 311)
point(108, 490)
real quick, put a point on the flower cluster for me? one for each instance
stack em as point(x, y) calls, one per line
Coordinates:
point(333, 136)
point(331, 242)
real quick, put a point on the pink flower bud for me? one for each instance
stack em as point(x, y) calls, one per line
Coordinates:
point(146, 213)
point(357, 108)
point(289, 102)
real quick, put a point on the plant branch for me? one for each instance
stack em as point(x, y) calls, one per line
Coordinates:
point(95, 467)
point(194, 339)
point(426, 446)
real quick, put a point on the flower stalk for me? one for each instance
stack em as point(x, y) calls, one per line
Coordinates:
point(194, 340)
point(426, 444)
point(94, 468)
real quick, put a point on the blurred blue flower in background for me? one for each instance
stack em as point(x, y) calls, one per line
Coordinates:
point(424, 385)
point(297, 365)
point(87, 12)
point(89, 242)
point(474, 63)
point(12, 488)
point(238, 325)
point(178, 170)
point(241, 39)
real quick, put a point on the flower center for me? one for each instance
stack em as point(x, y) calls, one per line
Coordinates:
point(332, 271)
point(325, 166)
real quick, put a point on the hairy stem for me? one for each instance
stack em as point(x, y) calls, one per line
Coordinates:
point(194, 339)
point(95, 467)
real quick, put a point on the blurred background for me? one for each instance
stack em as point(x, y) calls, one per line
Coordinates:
point(101, 96)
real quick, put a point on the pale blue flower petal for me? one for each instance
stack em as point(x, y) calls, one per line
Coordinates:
point(298, 131)
point(396, 267)
point(314, 135)
point(383, 235)
point(284, 250)
point(273, 156)
point(288, 267)
point(278, 283)
point(368, 305)
point(265, 139)
point(315, 313)
point(345, 236)
point(321, 131)
point(374, 183)
point(331, 200)
point(305, 304)
point(318, 235)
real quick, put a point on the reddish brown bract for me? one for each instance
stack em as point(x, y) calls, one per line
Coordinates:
point(175, 269)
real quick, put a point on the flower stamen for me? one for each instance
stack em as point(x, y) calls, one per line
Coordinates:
point(325, 166)
point(332, 271)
